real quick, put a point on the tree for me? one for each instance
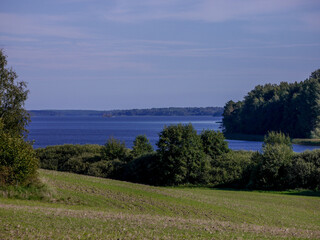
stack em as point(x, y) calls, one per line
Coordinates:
point(292, 108)
point(141, 146)
point(18, 162)
point(214, 143)
point(181, 156)
point(275, 162)
point(12, 97)
point(114, 149)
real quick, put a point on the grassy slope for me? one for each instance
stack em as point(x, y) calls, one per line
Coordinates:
point(93, 208)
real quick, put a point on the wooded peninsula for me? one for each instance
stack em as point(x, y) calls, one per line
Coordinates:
point(291, 108)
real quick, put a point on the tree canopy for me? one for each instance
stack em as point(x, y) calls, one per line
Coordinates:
point(18, 162)
point(12, 97)
point(292, 108)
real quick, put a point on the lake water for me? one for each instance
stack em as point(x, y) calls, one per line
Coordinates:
point(56, 130)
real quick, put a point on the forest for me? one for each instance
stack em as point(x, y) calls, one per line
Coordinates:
point(292, 108)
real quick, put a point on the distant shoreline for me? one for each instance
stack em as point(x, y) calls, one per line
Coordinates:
point(171, 111)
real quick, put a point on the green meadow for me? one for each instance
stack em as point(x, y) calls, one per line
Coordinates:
point(83, 207)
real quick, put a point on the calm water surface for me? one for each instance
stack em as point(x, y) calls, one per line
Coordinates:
point(55, 130)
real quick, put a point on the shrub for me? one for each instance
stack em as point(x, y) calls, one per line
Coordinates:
point(231, 169)
point(18, 161)
point(54, 157)
point(276, 138)
point(106, 169)
point(305, 170)
point(144, 169)
point(75, 165)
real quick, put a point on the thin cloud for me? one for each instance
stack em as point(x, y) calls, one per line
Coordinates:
point(201, 10)
point(38, 25)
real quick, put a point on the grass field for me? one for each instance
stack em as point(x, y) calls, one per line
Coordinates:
point(84, 207)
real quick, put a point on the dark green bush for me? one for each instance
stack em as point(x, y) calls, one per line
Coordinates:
point(144, 169)
point(76, 165)
point(18, 161)
point(55, 157)
point(106, 169)
point(232, 169)
point(305, 170)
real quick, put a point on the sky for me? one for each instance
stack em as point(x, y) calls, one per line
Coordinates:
point(124, 54)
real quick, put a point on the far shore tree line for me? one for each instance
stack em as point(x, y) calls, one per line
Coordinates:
point(183, 156)
point(292, 108)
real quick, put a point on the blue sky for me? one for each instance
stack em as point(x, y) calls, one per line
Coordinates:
point(122, 54)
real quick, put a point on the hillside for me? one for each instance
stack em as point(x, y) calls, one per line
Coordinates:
point(86, 207)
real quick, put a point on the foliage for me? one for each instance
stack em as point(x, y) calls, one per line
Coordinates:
point(18, 162)
point(276, 138)
point(274, 162)
point(214, 143)
point(12, 97)
point(232, 169)
point(293, 109)
point(181, 159)
point(144, 169)
point(106, 169)
point(115, 149)
point(76, 165)
point(305, 170)
point(55, 157)
point(181, 155)
point(141, 146)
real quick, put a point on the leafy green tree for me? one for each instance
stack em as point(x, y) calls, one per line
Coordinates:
point(141, 146)
point(115, 149)
point(12, 97)
point(275, 162)
point(18, 162)
point(214, 143)
point(181, 156)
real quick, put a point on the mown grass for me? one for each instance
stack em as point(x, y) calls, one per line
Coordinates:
point(84, 207)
